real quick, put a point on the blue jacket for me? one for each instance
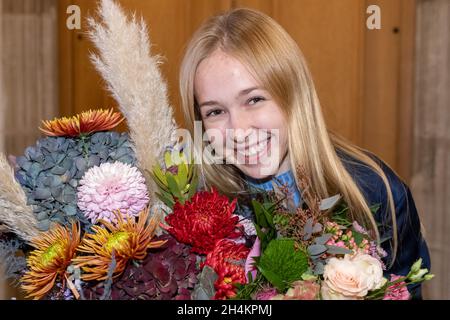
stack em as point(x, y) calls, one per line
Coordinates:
point(411, 244)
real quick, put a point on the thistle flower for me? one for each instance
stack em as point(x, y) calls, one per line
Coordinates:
point(112, 187)
point(82, 124)
point(203, 221)
point(227, 259)
point(54, 252)
point(128, 239)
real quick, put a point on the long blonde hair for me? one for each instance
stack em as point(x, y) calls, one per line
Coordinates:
point(275, 59)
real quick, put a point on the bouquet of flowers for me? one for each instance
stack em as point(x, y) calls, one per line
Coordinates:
point(307, 253)
point(89, 213)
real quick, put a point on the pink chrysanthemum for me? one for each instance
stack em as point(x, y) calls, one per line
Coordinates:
point(111, 187)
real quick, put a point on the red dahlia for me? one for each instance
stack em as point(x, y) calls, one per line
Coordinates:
point(228, 261)
point(204, 220)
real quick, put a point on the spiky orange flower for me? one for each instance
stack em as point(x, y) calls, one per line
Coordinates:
point(82, 124)
point(54, 252)
point(127, 239)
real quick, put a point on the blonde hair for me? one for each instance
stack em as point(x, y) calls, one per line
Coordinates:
point(274, 58)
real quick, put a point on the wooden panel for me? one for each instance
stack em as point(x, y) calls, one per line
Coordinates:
point(86, 89)
point(266, 6)
point(335, 58)
point(406, 89)
point(381, 83)
point(330, 35)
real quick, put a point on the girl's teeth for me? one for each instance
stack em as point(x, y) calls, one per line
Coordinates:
point(254, 150)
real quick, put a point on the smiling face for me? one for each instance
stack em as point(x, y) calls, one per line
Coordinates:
point(243, 122)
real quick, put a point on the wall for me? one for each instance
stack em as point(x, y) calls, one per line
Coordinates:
point(28, 76)
point(431, 166)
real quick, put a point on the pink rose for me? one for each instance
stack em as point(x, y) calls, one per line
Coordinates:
point(351, 277)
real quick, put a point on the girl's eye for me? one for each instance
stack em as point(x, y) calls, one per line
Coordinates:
point(255, 99)
point(213, 113)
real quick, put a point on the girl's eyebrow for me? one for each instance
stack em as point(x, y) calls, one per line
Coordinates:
point(241, 93)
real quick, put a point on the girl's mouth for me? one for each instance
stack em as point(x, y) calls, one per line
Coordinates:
point(252, 154)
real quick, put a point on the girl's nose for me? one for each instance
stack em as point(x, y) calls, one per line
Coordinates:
point(240, 125)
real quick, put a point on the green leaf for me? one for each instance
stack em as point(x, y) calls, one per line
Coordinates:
point(273, 278)
point(260, 216)
point(359, 237)
point(259, 232)
point(192, 189)
point(281, 263)
point(168, 200)
point(182, 176)
point(268, 215)
point(173, 187)
point(168, 159)
point(159, 176)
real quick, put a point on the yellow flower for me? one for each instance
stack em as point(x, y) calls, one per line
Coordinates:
point(54, 252)
point(127, 239)
point(82, 124)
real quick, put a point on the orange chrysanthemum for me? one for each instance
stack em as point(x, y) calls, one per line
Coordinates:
point(127, 239)
point(54, 252)
point(82, 124)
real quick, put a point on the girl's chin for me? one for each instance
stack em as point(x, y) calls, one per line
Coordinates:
point(257, 171)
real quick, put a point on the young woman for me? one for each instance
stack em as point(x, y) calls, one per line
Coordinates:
point(242, 74)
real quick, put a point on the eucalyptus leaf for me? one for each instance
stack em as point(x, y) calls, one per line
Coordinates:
point(317, 228)
point(308, 228)
point(337, 250)
point(316, 249)
point(319, 268)
point(205, 289)
point(323, 239)
point(330, 202)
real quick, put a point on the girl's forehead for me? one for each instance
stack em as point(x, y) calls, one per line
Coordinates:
point(221, 70)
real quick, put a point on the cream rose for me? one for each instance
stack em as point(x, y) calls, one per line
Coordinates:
point(351, 277)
